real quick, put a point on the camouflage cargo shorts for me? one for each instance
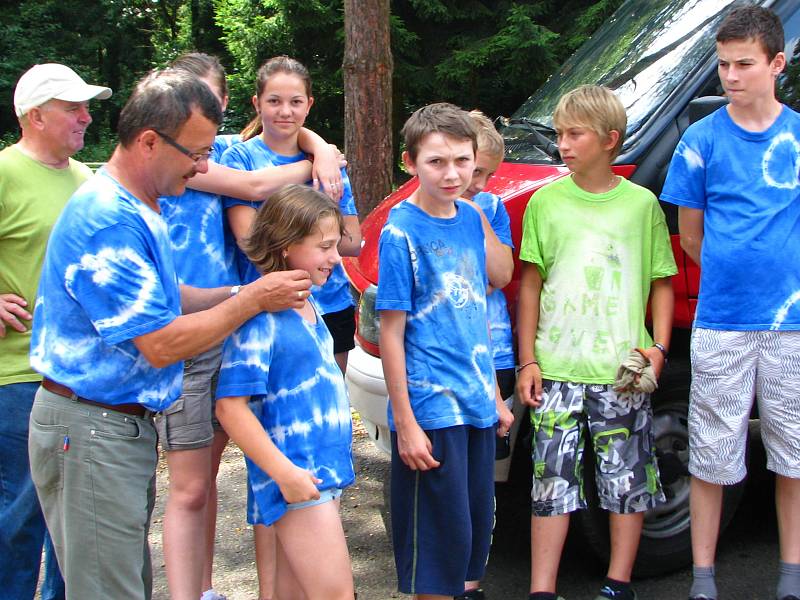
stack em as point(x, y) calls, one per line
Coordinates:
point(620, 428)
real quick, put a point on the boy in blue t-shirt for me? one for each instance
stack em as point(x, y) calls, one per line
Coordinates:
point(437, 256)
point(488, 157)
point(734, 175)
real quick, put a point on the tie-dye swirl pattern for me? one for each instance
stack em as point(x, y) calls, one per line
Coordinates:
point(748, 186)
point(435, 270)
point(108, 277)
point(255, 154)
point(496, 305)
point(202, 245)
point(286, 364)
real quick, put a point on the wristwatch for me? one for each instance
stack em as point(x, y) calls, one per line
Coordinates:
point(235, 290)
point(662, 349)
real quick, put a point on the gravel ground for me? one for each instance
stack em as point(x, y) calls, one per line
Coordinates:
point(234, 563)
point(746, 566)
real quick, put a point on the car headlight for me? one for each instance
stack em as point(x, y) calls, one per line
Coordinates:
point(369, 323)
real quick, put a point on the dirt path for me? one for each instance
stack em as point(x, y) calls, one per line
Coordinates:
point(234, 567)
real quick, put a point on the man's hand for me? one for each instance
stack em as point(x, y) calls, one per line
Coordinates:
point(298, 485)
point(415, 448)
point(280, 290)
point(656, 358)
point(326, 172)
point(529, 385)
point(12, 309)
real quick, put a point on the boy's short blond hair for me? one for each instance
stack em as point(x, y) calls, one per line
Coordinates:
point(489, 140)
point(442, 117)
point(595, 107)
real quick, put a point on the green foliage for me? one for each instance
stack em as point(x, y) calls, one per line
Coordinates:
point(487, 54)
point(309, 30)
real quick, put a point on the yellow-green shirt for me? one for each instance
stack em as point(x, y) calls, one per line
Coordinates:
point(597, 254)
point(32, 196)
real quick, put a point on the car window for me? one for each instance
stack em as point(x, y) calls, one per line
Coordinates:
point(643, 52)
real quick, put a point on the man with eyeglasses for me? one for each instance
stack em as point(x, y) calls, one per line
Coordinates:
point(37, 177)
point(112, 329)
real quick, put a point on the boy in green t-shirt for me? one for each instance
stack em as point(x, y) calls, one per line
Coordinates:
point(595, 247)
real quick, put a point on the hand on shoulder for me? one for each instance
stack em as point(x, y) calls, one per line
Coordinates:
point(279, 290)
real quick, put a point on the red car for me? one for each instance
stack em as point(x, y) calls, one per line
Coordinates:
point(659, 59)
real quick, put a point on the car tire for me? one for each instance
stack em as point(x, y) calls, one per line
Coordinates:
point(665, 545)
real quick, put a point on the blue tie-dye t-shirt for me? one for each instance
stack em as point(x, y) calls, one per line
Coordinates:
point(286, 365)
point(108, 277)
point(202, 244)
point(255, 154)
point(499, 320)
point(748, 186)
point(434, 269)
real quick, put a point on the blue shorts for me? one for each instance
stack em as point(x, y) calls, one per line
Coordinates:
point(442, 519)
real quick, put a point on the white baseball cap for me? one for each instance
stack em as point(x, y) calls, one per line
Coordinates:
point(45, 82)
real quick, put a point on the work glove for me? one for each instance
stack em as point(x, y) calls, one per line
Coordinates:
point(636, 374)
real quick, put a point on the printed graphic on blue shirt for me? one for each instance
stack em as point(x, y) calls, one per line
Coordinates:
point(108, 277)
point(497, 307)
point(202, 245)
point(435, 270)
point(286, 365)
point(748, 186)
point(255, 154)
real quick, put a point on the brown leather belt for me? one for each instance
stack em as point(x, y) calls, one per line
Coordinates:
point(137, 410)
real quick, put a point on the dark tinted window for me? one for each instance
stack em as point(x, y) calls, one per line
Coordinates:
point(643, 52)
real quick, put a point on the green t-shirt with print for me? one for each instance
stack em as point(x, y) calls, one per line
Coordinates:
point(597, 255)
point(32, 196)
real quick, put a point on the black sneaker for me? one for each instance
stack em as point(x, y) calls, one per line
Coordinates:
point(476, 594)
point(607, 593)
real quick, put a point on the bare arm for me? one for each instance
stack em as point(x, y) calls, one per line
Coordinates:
point(191, 334)
point(662, 305)
point(499, 259)
point(240, 218)
point(505, 417)
point(529, 377)
point(350, 245)
point(690, 225)
point(413, 445)
point(195, 299)
point(249, 185)
point(12, 309)
point(296, 484)
point(327, 168)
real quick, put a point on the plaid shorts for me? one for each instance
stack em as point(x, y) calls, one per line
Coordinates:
point(620, 426)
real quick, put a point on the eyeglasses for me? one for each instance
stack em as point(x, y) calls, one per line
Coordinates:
point(195, 156)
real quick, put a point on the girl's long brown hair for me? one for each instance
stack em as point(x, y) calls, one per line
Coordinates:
point(286, 217)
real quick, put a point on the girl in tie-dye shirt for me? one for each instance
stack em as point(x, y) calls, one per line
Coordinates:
point(298, 441)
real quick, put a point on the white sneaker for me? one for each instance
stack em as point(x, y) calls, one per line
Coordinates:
point(212, 595)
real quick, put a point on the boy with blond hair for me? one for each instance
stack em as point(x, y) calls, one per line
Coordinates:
point(437, 257)
point(734, 179)
point(488, 157)
point(595, 248)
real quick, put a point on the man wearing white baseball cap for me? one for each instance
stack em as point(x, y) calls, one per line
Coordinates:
point(37, 177)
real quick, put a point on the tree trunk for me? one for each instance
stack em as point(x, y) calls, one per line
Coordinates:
point(367, 70)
